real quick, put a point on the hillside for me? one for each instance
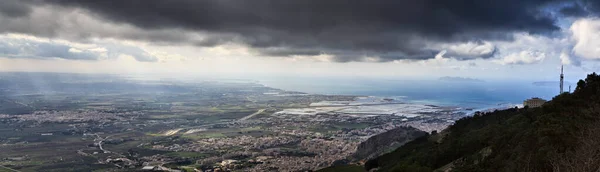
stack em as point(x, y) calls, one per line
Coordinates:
point(385, 142)
point(562, 135)
point(559, 136)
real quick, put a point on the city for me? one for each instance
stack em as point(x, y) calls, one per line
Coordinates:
point(238, 126)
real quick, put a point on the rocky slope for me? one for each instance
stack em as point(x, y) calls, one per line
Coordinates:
point(386, 142)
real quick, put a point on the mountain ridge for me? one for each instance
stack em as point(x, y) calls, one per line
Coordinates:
point(562, 135)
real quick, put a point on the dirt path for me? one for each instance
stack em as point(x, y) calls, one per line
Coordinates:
point(172, 132)
point(252, 115)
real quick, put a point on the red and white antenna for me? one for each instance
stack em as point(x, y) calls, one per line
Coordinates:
point(562, 77)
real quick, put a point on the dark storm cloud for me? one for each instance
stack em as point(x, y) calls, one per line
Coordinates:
point(581, 8)
point(348, 29)
point(441, 18)
point(574, 11)
point(14, 8)
point(590, 7)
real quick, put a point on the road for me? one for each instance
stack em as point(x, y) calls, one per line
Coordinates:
point(172, 132)
point(252, 115)
point(100, 144)
point(100, 140)
point(177, 130)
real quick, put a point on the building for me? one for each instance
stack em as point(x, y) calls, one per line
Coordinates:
point(148, 168)
point(534, 102)
point(151, 168)
point(228, 162)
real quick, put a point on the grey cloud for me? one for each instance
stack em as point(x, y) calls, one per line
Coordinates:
point(140, 55)
point(576, 62)
point(382, 57)
point(61, 51)
point(14, 48)
point(24, 48)
point(460, 56)
point(8, 49)
point(471, 54)
point(14, 8)
point(389, 30)
point(78, 25)
point(288, 52)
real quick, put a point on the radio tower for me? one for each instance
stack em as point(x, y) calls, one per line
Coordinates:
point(562, 77)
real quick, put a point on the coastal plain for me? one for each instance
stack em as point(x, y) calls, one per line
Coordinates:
point(121, 124)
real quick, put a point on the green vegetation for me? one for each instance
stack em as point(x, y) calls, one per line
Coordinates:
point(562, 135)
point(204, 135)
point(163, 116)
point(250, 129)
point(195, 155)
point(5, 170)
point(187, 169)
point(343, 168)
point(351, 125)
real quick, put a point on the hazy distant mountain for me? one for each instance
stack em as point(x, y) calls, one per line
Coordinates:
point(550, 83)
point(459, 79)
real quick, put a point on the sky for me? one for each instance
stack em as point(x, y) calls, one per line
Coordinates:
point(495, 39)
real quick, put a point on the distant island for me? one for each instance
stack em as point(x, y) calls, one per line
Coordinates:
point(459, 79)
point(549, 83)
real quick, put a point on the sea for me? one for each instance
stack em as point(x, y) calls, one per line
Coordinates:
point(475, 95)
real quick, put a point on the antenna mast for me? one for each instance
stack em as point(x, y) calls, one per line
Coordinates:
point(562, 77)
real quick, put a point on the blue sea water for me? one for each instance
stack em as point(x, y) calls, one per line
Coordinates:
point(478, 95)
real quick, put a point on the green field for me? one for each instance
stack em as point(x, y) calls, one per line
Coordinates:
point(187, 154)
